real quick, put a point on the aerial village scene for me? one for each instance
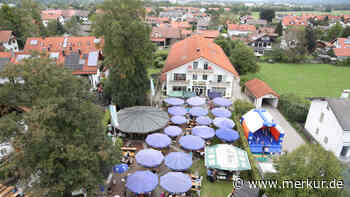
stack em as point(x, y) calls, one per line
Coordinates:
point(174, 98)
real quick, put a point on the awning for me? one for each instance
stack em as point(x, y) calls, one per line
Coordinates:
point(226, 157)
point(114, 117)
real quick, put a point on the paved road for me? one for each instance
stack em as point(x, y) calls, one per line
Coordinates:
point(292, 139)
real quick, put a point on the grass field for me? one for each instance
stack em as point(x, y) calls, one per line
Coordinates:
point(308, 80)
point(208, 189)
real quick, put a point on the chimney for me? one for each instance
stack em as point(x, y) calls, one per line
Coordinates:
point(79, 51)
point(48, 48)
point(63, 53)
point(198, 49)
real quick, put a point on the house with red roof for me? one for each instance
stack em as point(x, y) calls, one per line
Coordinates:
point(260, 93)
point(240, 29)
point(210, 34)
point(80, 54)
point(197, 64)
point(341, 47)
point(8, 41)
point(165, 36)
point(295, 21)
point(63, 15)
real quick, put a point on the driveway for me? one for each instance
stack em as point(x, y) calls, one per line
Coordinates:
point(292, 139)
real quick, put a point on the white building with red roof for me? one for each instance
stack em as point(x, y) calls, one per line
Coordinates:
point(341, 47)
point(80, 54)
point(240, 29)
point(8, 41)
point(199, 65)
point(260, 93)
point(63, 15)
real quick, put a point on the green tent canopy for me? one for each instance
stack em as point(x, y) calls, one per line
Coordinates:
point(181, 94)
point(226, 157)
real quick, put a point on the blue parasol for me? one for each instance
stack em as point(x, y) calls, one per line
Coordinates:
point(223, 123)
point(173, 131)
point(121, 168)
point(142, 182)
point(176, 182)
point(158, 140)
point(174, 101)
point(178, 161)
point(204, 120)
point(198, 111)
point(178, 120)
point(196, 101)
point(149, 158)
point(177, 111)
point(221, 112)
point(191, 142)
point(204, 132)
point(227, 135)
point(222, 102)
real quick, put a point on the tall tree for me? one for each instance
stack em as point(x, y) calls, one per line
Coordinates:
point(72, 26)
point(279, 29)
point(64, 145)
point(267, 14)
point(311, 39)
point(307, 162)
point(334, 32)
point(128, 50)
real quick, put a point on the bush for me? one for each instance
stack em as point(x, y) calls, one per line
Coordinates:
point(106, 119)
point(345, 62)
point(241, 107)
point(159, 58)
point(293, 107)
point(292, 55)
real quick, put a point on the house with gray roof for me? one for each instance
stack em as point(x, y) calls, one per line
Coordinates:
point(328, 121)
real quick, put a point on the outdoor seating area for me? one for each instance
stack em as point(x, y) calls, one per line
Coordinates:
point(160, 166)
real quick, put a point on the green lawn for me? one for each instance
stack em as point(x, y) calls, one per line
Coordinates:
point(208, 189)
point(309, 80)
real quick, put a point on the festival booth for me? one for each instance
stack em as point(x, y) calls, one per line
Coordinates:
point(263, 134)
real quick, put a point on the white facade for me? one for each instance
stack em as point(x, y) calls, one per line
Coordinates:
point(237, 33)
point(215, 79)
point(323, 125)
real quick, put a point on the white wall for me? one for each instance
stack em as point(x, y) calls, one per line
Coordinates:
point(13, 46)
point(237, 33)
point(329, 127)
point(232, 88)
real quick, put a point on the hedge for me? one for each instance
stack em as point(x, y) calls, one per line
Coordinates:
point(241, 107)
point(293, 107)
point(254, 173)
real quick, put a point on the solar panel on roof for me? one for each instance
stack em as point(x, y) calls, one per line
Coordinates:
point(93, 58)
point(72, 61)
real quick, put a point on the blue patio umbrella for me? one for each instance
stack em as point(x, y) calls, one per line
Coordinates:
point(176, 182)
point(158, 140)
point(174, 101)
point(191, 142)
point(204, 120)
point(121, 168)
point(204, 132)
point(178, 161)
point(196, 101)
point(198, 111)
point(223, 123)
point(221, 112)
point(149, 158)
point(222, 102)
point(173, 131)
point(178, 119)
point(177, 111)
point(227, 135)
point(141, 182)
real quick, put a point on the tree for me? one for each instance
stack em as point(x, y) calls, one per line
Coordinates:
point(55, 28)
point(346, 32)
point(64, 145)
point(307, 162)
point(241, 56)
point(311, 39)
point(279, 29)
point(334, 32)
point(72, 26)
point(267, 14)
point(128, 51)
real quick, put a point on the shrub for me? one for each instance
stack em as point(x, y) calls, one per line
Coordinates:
point(345, 62)
point(106, 119)
point(241, 107)
point(293, 107)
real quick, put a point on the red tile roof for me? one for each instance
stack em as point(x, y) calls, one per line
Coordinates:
point(342, 52)
point(181, 25)
point(193, 48)
point(5, 36)
point(5, 55)
point(51, 14)
point(73, 45)
point(342, 49)
point(209, 33)
point(294, 21)
point(238, 27)
point(259, 88)
point(165, 32)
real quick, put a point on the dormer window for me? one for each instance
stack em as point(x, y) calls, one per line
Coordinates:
point(206, 66)
point(195, 65)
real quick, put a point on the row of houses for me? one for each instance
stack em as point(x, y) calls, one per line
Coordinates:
point(63, 16)
point(80, 54)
